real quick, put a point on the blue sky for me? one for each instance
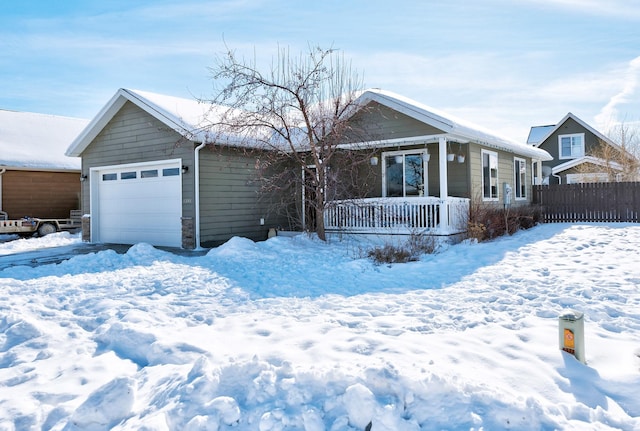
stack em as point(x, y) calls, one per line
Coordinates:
point(503, 64)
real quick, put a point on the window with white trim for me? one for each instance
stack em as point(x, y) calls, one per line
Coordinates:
point(571, 146)
point(489, 175)
point(520, 178)
point(404, 173)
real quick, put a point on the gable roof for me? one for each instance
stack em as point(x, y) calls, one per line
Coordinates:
point(192, 119)
point(453, 127)
point(552, 129)
point(188, 117)
point(37, 141)
point(585, 159)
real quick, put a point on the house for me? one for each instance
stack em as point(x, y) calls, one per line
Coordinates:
point(152, 177)
point(154, 173)
point(429, 167)
point(581, 154)
point(36, 178)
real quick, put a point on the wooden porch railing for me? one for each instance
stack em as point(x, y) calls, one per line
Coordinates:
point(397, 215)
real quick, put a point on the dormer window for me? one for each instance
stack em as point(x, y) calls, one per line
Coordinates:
point(571, 146)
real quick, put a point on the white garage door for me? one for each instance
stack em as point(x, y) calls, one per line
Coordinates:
point(138, 203)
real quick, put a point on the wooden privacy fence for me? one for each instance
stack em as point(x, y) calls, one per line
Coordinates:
point(589, 202)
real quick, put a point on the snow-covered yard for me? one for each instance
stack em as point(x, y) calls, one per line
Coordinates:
point(295, 334)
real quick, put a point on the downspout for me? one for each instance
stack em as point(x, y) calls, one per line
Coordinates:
point(197, 192)
point(558, 177)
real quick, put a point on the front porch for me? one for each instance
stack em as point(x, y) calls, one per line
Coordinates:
point(398, 216)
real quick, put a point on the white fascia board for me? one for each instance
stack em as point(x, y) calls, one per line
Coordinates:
point(176, 123)
point(586, 159)
point(407, 107)
point(454, 129)
point(95, 126)
point(115, 104)
point(520, 150)
point(583, 124)
point(396, 142)
point(531, 152)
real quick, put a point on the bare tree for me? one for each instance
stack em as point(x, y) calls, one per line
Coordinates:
point(620, 162)
point(295, 116)
point(628, 137)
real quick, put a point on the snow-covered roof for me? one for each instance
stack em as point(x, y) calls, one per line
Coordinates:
point(585, 159)
point(452, 126)
point(189, 117)
point(193, 119)
point(37, 141)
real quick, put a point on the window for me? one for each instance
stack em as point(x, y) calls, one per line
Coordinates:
point(109, 177)
point(489, 175)
point(151, 173)
point(404, 173)
point(128, 175)
point(170, 172)
point(520, 178)
point(571, 146)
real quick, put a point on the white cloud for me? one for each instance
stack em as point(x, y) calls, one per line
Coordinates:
point(628, 78)
point(507, 93)
point(628, 9)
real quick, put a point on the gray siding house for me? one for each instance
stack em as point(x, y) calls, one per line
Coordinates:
point(578, 152)
point(152, 175)
point(429, 167)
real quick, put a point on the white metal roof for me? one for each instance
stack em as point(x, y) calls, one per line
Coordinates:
point(537, 133)
point(37, 141)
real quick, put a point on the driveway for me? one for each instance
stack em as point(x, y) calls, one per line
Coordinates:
point(51, 255)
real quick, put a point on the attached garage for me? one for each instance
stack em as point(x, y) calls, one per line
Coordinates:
point(153, 172)
point(137, 203)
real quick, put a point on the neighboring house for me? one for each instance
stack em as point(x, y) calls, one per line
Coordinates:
point(151, 177)
point(580, 153)
point(429, 167)
point(36, 178)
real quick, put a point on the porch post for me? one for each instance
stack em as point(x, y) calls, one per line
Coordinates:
point(444, 186)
